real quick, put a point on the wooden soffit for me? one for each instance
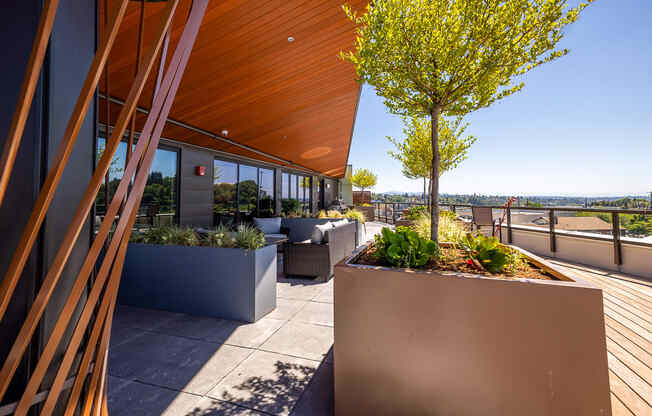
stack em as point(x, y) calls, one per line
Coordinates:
point(295, 100)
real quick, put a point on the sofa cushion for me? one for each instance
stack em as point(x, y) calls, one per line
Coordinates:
point(268, 225)
point(273, 235)
point(340, 223)
point(319, 234)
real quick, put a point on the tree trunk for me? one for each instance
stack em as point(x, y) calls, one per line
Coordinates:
point(434, 176)
point(424, 189)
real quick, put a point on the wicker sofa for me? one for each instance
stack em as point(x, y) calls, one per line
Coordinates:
point(317, 260)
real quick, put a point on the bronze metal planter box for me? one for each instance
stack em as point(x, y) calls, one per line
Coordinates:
point(404, 222)
point(369, 212)
point(412, 342)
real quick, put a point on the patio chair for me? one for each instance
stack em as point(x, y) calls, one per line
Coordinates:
point(483, 217)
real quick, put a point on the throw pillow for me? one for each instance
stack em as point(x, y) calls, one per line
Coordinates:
point(319, 234)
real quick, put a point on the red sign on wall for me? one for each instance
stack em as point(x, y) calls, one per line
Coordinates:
point(200, 170)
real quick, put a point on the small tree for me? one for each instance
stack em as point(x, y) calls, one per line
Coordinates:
point(415, 151)
point(432, 57)
point(363, 179)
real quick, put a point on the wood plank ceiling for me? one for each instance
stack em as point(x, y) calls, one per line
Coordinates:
point(294, 100)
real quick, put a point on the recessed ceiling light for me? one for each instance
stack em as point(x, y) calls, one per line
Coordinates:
point(290, 39)
point(284, 137)
point(225, 132)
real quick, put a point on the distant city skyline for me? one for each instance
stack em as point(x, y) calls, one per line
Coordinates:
point(582, 126)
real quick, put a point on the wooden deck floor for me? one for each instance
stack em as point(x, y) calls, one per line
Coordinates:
point(628, 323)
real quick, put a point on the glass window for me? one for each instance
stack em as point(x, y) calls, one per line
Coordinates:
point(225, 181)
point(293, 186)
point(304, 192)
point(248, 192)
point(266, 202)
point(115, 175)
point(285, 191)
point(159, 203)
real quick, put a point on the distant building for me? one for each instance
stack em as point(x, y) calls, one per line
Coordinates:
point(580, 224)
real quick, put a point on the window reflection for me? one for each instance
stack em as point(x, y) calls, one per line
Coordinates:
point(224, 191)
point(116, 168)
point(248, 192)
point(242, 192)
point(266, 203)
point(293, 186)
point(159, 202)
point(285, 193)
point(296, 192)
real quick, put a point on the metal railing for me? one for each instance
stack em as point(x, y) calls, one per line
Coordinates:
point(391, 211)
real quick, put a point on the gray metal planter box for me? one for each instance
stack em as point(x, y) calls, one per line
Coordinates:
point(230, 283)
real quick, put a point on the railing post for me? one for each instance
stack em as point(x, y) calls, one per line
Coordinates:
point(553, 241)
point(615, 231)
point(509, 225)
point(393, 212)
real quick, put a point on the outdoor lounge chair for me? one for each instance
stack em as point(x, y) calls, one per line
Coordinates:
point(318, 259)
point(483, 217)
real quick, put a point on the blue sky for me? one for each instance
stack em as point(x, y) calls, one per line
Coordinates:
point(581, 126)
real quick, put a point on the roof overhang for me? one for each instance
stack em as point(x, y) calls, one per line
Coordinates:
point(291, 99)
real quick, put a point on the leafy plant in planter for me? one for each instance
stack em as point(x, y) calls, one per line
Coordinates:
point(488, 251)
point(354, 214)
point(405, 248)
point(246, 236)
point(329, 214)
point(221, 237)
point(249, 237)
point(167, 235)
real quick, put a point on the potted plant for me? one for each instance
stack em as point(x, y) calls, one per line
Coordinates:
point(220, 273)
point(464, 327)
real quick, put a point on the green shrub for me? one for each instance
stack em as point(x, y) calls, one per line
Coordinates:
point(450, 229)
point(249, 237)
point(334, 214)
point(488, 251)
point(447, 214)
point(404, 248)
point(221, 237)
point(167, 236)
point(354, 214)
point(416, 212)
point(246, 236)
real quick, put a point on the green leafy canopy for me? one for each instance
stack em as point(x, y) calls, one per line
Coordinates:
point(428, 58)
point(415, 151)
point(460, 55)
point(363, 179)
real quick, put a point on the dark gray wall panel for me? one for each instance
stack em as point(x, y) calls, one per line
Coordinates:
point(196, 194)
point(17, 31)
point(72, 48)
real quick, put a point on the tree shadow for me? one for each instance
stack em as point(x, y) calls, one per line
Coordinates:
point(277, 394)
